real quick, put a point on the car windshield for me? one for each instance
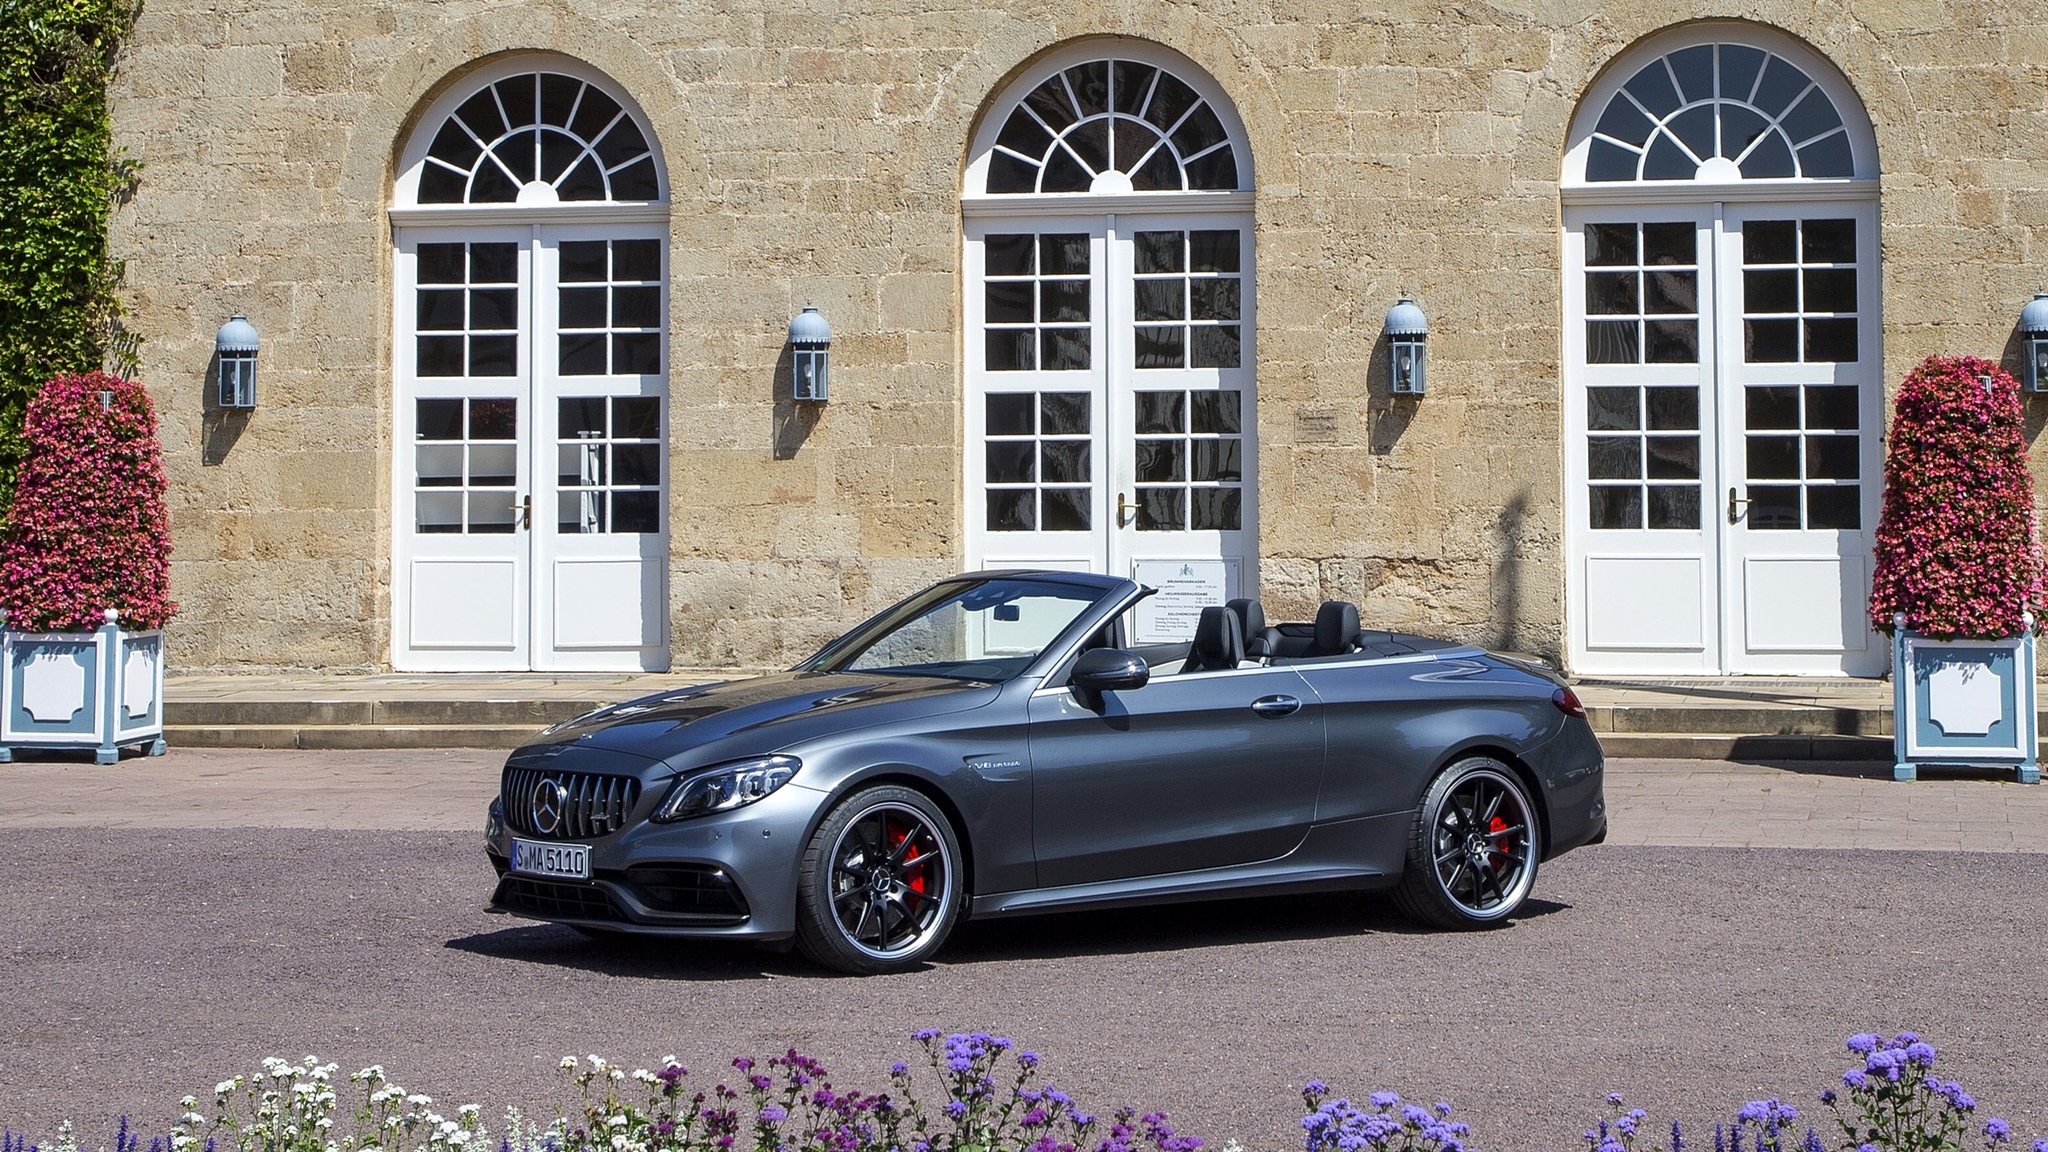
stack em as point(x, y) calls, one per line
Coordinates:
point(978, 629)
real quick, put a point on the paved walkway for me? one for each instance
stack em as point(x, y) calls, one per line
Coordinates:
point(1666, 802)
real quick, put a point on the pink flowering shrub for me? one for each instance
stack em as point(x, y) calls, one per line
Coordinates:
point(88, 530)
point(1955, 544)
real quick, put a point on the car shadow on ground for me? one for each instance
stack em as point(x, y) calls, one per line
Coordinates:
point(1109, 932)
point(1877, 769)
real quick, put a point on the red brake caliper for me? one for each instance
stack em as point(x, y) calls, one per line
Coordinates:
point(1494, 828)
point(915, 882)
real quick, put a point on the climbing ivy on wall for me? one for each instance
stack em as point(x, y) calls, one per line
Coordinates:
point(59, 179)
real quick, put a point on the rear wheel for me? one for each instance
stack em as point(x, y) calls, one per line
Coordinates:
point(1472, 849)
point(880, 885)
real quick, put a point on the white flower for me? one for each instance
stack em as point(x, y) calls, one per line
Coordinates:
point(568, 1062)
point(619, 1143)
point(419, 1101)
point(644, 1076)
point(227, 1086)
point(616, 1122)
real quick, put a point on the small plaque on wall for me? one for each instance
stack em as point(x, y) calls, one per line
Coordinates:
point(1316, 426)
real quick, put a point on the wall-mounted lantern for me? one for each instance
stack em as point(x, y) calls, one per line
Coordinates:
point(1407, 335)
point(236, 343)
point(810, 340)
point(2034, 331)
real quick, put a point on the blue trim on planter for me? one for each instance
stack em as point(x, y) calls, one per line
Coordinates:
point(1941, 697)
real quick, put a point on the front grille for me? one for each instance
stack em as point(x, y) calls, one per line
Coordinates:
point(555, 898)
point(593, 806)
point(692, 889)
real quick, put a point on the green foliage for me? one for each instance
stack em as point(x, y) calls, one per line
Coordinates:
point(59, 178)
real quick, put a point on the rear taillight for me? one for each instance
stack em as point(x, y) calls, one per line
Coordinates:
point(1567, 702)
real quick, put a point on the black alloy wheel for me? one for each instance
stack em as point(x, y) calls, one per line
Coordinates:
point(1473, 848)
point(880, 885)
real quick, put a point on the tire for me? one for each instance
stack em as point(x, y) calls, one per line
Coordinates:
point(880, 885)
point(1458, 874)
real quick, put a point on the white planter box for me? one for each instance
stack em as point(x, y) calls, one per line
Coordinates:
point(102, 690)
point(1964, 702)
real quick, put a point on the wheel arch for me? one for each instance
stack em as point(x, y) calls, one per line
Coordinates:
point(903, 776)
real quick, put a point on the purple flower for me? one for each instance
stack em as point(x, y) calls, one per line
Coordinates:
point(1614, 1098)
point(1384, 1100)
point(1863, 1042)
point(1997, 1131)
point(899, 1068)
point(774, 1114)
point(1315, 1086)
point(1028, 1059)
point(1827, 1095)
point(1920, 1052)
point(1855, 1078)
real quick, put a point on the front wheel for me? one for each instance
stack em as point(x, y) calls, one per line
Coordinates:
point(1472, 850)
point(880, 885)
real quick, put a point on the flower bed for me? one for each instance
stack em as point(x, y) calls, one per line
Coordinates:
point(1890, 1102)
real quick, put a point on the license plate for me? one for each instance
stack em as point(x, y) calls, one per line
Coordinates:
point(571, 861)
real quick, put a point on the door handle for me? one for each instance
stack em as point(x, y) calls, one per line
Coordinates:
point(525, 508)
point(1734, 507)
point(1274, 707)
point(1122, 507)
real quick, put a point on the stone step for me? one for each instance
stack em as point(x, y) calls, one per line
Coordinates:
point(351, 736)
point(1725, 746)
point(534, 713)
point(1739, 720)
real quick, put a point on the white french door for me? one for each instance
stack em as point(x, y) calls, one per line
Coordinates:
point(530, 464)
point(1722, 413)
point(1111, 407)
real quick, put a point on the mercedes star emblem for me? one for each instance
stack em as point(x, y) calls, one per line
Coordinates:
point(550, 800)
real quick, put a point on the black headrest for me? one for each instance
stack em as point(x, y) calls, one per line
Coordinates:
point(1251, 617)
point(1336, 628)
point(1218, 643)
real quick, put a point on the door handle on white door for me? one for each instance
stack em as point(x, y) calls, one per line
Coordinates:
point(1734, 507)
point(525, 507)
point(1122, 507)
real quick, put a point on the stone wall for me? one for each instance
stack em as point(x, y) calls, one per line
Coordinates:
point(815, 154)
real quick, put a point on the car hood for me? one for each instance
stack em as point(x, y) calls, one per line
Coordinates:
point(780, 709)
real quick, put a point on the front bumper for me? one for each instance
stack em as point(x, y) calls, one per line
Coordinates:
point(731, 875)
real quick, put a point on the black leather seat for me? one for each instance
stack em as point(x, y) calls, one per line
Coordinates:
point(1218, 646)
point(1260, 642)
point(1336, 629)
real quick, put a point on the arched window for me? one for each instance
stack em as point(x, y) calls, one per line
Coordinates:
point(1113, 126)
point(1744, 106)
point(538, 137)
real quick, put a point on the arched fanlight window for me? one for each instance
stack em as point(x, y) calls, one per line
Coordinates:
point(1113, 126)
point(1719, 111)
point(538, 138)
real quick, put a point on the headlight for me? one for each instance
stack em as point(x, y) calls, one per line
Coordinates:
point(723, 789)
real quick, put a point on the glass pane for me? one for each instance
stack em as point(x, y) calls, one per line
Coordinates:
point(636, 417)
point(438, 512)
point(1835, 506)
point(1064, 461)
point(1063, 173)
point(1772, 407)
point(1063, 254)
point(1739, 68)
point(579, 465)
point(1833, 406)
point(440, 264)
point(1066, 509)
point(1611, 293)
point(1063, 413)
point(636, 464)
point(1160, 461)
point(1217, 460)
point(1011, 462)
point(1673, 341)
point(1614, 458)
point(583, 260)
point(493, 355)
point(440, 310)
point(493, 308)
point(494, 419)
point(1674, 457)
point(1773, 508)
point(1218, 412)
point(1830, 290)
point(438, 465)
point(1161, 411)
point(1157, 252)
point(1670, 244)
point(1774, 291)
point(595, 111)
point(494, 263)
point(1612, 410)
point(1675, 506)
point(1162, 509)
point(1159, 347)
point(582, 308)
point(493, 465)
point(1063, 349)
point(1770, 341)
point(1668, 292)
point(1610, 244)
point(1832, 457)
point(636, 307)
point(1216, 510)
point(636, 511)
point(1215, 251)
point(1008, 301)
point(438, 356)
point(1012, 510)
point(1674, 409)
point(579, 512)
point(1831, 341)
point(636, 260)
point(582, 354)
point(1010, 415)
point(1063, 301)
point(1007, 254)
point(439, 420)
point(492, 513)
point(1615, 507)
point(1828, 156)
point(557, 97)
point(1770, 242)
point(1011, 349)
point(636, 353)
point(1159, 299)
point(1215, 299)
point(1612, 342)
point(1216, 347)
point(1772, 457)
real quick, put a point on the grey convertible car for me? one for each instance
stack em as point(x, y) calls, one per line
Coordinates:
point(993, 746)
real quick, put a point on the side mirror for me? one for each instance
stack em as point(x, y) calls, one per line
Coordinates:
point(1102, 670)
